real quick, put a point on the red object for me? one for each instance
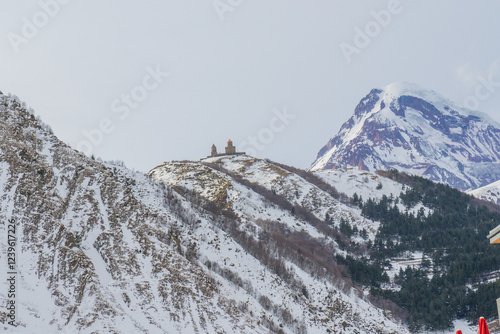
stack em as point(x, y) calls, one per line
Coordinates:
point(458, 331)
point(483, 327)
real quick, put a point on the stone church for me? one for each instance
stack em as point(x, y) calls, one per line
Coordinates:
point(230, 150)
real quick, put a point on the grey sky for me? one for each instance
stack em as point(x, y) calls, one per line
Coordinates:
point(230, 78)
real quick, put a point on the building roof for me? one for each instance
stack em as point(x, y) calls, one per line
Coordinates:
point(494, 235)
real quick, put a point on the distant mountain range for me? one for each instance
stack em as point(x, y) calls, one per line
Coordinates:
point(408, 128)
point(236, 244)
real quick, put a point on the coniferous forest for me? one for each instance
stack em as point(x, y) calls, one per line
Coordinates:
point(452, 280)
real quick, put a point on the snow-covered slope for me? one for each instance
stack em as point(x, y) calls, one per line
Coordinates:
point(405, 127)
point(101, 248)
point(491, 192)
point(257, 192)
point(360, 182)
point(105, 249)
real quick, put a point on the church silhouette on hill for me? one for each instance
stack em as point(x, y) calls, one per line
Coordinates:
point(230, 150)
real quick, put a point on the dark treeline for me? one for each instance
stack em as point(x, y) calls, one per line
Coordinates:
point(450, 282)
point(457, 254)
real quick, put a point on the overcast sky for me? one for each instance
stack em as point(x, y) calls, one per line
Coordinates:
point(152, 81)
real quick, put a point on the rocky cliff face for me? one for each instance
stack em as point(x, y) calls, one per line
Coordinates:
point(191, 249)
point(411, 129)
point(100, 248)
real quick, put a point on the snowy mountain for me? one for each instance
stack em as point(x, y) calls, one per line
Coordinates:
point(280, 213)
point(490, 193)
point(225, 245)
point(101, 248)
point(230, 244)
point(405, 127)
point(310, 223)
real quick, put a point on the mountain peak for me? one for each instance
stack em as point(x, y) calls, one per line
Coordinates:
point(397, 90)
point(403, 88)
point(407, 127)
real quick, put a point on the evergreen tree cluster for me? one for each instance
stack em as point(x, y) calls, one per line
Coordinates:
point(451, 281)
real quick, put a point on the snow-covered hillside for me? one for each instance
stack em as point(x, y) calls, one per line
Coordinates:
point(268, 200)
point(415, 130)
point(101, 248)
point(245, 186)
point(105, 249)
point(231, 244)
point(363, 183)
point(490, 193)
